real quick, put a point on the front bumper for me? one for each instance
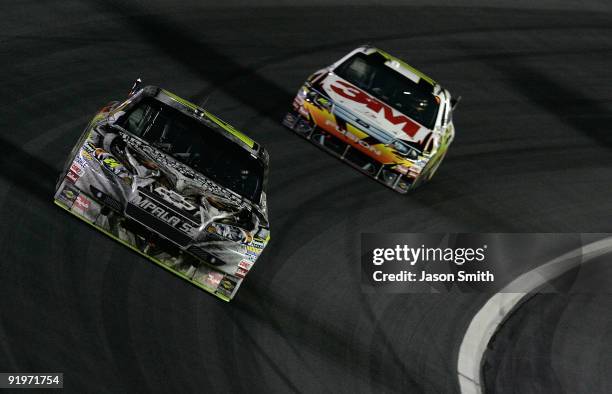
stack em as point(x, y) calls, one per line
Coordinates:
point(347, 153)
point(141, 239)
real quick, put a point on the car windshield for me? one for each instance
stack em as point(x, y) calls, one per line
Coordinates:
point(196, 145)
point(372, 74)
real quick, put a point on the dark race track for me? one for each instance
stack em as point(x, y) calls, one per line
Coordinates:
point(532, 154)
point(547, 344)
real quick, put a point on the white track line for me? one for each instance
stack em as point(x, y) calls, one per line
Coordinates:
point(496, 309)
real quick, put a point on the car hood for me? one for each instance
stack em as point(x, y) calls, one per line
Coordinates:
point(154, 189)
point(186, 189)
point(371, 111)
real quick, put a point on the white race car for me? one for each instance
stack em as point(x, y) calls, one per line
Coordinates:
point(379, 114)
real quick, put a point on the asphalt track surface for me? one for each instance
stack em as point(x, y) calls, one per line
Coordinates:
point(532, 154)
point(556, 343)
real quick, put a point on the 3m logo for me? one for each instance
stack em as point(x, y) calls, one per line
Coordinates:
point(350, 92)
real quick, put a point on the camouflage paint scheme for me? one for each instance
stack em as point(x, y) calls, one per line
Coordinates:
point(162, 208)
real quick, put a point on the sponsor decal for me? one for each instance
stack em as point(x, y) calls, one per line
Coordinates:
point(245, 264)
point(254, 249)
point(68, 194)
point(88, 150)
point(110, 163)
point(165, 215)
point(258, 243)
point(212, 279)
point(241, 272)
point(350, 92)
point(82, 158)
point(251, 256)
point(353, 137)
point(227, 286)
point(86, 208)
point(77, 169)
point(82, 202)
point(174, 198)
point(72, 177)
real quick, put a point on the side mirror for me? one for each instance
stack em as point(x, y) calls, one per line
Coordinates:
point(135, 87)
